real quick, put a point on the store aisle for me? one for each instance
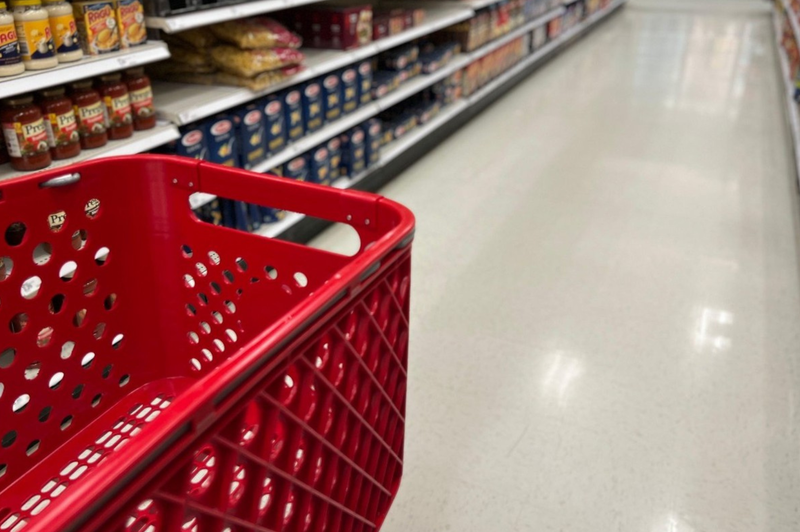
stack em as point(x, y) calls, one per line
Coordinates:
point(605, 302)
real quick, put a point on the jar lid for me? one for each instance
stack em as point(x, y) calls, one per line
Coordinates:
point(26, 2)
point(114, 76)
point(138, 71)
point(53, 91)
point(20, 100)
point(82, 84)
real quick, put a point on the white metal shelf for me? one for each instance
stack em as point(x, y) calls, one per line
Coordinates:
point(182, 103)
point(792, 16)
point(140, 141)
point(90, 66)
point(791, 105)
point(518, 32)
point(204, 17)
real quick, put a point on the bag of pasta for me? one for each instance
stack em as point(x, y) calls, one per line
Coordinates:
point(259, 82)
point(248, 63)
point(256, 32)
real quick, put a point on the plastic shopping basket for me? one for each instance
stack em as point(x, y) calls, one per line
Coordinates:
point(162, 374)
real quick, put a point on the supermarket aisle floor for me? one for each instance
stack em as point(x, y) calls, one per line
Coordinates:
point(606, 299)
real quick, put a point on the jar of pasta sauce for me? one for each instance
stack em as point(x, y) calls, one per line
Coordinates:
point(62, 128)
point(25, 134)
point(119, 118)
point(141, 94)
point(90, 115)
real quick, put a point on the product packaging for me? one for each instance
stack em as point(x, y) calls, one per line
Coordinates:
point(221, 140)
point(349, 83)
point(353, 152)
point(249, 122)
point(319, 165)
point(332, 96)
point(293, 113)
point(313, 106)
point(372, 142)
point(364, 82)
point(274, 124)
point(297, 169)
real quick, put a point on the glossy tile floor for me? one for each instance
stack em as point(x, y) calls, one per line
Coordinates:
point(606, 307)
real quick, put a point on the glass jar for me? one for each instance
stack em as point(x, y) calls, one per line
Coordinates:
point(33, 31)
point(10, 58)
point(90, 115)
point(62, 128)
point(64, 31)
point(25, 134)
point(141, 94)
point(119, 119)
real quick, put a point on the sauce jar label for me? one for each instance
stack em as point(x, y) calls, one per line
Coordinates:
point(65, 33)
point(132, 30)
point(119, 110)
point(61, 129)
point(97, 26)
point(142, 102)
point(24, 140)
point(9, 46)
point(35, 39)
point(91, 118)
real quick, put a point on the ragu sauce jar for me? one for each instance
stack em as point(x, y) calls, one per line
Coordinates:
point(90, 115)
point(119, 118)
point(141, 95)
point(59, 120)
point(25, 134)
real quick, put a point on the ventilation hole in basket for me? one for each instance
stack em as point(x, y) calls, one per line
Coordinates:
point(6, 266)
point(267, 496)
point(241, 264)
point(301, 279)
point(57, 303)
point(271, 271)
point(96, 399)
point(8, 439)
point(67, 349)
point(216, 316)
point(44, 337)
point(44, 414)
point(18, 322)
point(219, 347)
point(193, 337)
point(86, 361)
point(40, 507)
point(90, 287)
point(67, 421)
point(55, 380)
point(232, 336)
point(32, 371)
point(99, 331)
point(239, 292)
point(188, 281)
point(3, 469)
point(76, 393)
point(21, 403)
point(254, 280)
point(215, 288)
point(110, 301)
point(190, 525)
point(15, 233)
point(30, 288)
point(101, 257)
point(125, 379)
point(67, 271)
point(201, 269)
point(32, 447)
point(79, 239)
point(191, 310)
point(186, 251)
point(79, 318)
point(196, 366)
point(92, 208)
point(286, 288)
point(229, 277)
point(7, 357)
point(2, 387)
point(203, 470)
point(230, 306)
point(203, 299)
point(213, 256)
point(42, 254)
point(236, 489)
point(207, 355)
point(107, 371)
point(116, 343)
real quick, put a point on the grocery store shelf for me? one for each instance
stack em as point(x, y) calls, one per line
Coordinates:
point(792, 16)
point(391, 151)
point(140, 141)
point(591, 20)
point(510, 36)
point(406, 90)
point(791, 105)
point(183, 103)
point(33, 80)
point(204, 17)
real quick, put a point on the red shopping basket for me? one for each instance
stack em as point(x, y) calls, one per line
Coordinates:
point(161, 374)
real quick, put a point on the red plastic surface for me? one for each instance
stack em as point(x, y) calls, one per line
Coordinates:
point(160, 374)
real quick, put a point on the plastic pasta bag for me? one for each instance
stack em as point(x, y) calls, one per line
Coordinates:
point(256, 32)
point(249, 63)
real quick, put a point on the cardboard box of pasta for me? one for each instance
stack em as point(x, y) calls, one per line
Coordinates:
point(221, 140)
point(249, 122)
point(334, 27)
